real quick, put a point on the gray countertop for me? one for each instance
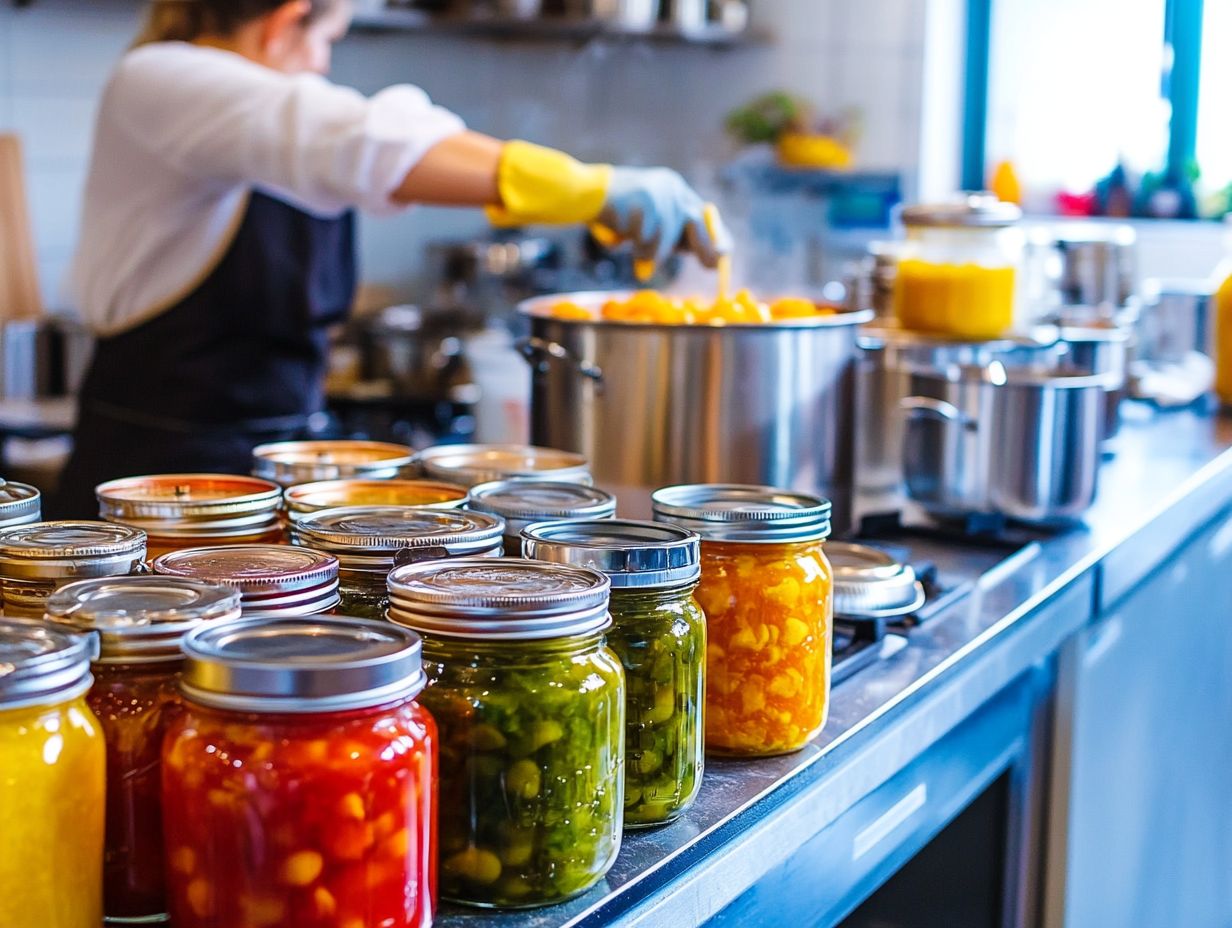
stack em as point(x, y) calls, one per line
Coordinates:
point(1171, 474)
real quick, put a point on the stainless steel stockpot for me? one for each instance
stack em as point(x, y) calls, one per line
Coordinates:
point(658, 405)
point(1019, 442)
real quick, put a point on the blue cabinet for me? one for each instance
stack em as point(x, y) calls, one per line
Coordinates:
point(1141, 834)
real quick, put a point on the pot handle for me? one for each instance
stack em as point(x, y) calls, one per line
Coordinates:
point(539, 352)
point(921, 406)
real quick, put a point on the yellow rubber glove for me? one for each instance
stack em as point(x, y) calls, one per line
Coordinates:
point(542, 185)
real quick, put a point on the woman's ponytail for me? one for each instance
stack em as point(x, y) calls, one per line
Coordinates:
point(189, 20)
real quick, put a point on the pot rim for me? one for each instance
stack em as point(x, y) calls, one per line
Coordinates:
point(539, 308)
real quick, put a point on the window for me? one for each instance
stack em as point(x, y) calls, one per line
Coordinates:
point(1214, 142)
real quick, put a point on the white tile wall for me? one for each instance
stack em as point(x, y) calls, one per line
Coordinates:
point(628, 103)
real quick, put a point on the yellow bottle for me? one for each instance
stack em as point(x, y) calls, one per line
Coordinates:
point(1221, 317)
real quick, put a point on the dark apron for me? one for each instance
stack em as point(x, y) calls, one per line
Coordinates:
point(238, 362)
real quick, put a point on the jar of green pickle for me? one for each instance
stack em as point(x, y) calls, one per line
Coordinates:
point(369, 540)
point(659, 633)
point(530, 705)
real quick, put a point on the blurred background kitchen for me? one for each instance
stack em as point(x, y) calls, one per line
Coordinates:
point(809, 121)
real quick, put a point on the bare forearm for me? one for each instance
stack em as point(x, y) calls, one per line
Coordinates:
point(460, 171)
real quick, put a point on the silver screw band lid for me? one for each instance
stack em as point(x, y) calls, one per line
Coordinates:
point(472, 465)
point(506, 599)
point(392, 528)
point(42, 662)
point(744, 513)
point(301, 665)
point(19, 503)
point(56, 550)
point(870, 584)
point(633, 555)
point(141, 619)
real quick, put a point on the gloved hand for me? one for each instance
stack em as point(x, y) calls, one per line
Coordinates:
point(657, 211)
point(651, 207)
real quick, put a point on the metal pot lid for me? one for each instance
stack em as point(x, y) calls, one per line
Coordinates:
point(186, 496)
point(870, 584)
point(141, 618)
point(70, 541)
point(499, 599)
point(743, 513)
point(476, 464)
point(541, 500)
point(333, 494)
point(633, 555)
point(971, 210)
point(19, 503)
point(320, 664)
point(42, 662)
point(252, 569)
point(391, 528)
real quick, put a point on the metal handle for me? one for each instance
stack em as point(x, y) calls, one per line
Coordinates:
point(937, 409)
point(539, 351)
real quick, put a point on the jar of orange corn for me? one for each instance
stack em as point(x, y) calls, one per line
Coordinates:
point(766, 589)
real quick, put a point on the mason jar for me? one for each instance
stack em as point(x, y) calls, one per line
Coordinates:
point(524, 502)
point(471, 465)
point(52, 787)
point(274, 581)
point(304, 797)
point(20, 503)
point(181, 511)
point(959, 268)
point(659, 633)
point(308, 498)
point(39, 557)
point(140, 623)
point(290, 463)
point(530, 703)
point(369, 541)
point(767, 591)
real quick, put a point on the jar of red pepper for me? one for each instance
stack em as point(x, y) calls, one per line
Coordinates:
point(140, 622)
point(299, 783)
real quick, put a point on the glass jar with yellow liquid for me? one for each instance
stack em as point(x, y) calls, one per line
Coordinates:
point(958, 269)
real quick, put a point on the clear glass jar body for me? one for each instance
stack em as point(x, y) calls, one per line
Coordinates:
point(158, 545)
point(314, 820)
point(51, 816)
point(134, 704)
point(960, 282)
point(363, 594)
point(532, 766)
point(769, 616)
point(660, 638)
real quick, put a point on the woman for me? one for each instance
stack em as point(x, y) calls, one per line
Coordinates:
point(217, 246)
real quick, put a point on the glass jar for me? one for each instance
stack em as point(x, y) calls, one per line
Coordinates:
point(38, 558)
point(471, 465)
point(1221, 321)
point(336, 494)
point(180, 511)
point(140, 622)
point(767, 591)
point(305, 797)
point(958, 269)
point(530, 704)
point(522, 503)
point(51, 790)
point(290, 463)
point(20, 503)
point(368, 541)
point(659, 633)
point(275, 581)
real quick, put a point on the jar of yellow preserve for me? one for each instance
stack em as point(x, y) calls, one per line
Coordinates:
point(957, 271)
point(767, 592)
point(52, 764)
point(1221, 319)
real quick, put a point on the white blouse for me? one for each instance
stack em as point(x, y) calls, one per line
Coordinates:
point(185, 132)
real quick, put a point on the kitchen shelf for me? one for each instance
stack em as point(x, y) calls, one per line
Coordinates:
point(548, 30)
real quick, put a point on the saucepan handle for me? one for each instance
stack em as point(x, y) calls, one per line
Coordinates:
point(927, 406)
point(540, 352)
